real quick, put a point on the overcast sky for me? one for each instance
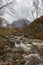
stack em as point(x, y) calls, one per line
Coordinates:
point(20, 9)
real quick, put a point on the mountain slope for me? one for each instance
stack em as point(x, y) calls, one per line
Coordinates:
point(36, 28)
point(19, 23)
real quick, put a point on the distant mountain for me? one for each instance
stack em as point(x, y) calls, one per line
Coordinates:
point(19, 23)
point(35, 29)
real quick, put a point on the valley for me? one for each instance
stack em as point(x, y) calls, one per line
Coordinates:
point(18, 50)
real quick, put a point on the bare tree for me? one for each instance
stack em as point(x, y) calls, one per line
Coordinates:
point(9, 6)
point(5, 5)
point(36, 7)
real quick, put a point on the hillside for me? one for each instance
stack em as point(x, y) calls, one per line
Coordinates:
point(14, 46)
point(35, 29)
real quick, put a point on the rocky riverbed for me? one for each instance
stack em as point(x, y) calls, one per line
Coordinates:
point(19, 50)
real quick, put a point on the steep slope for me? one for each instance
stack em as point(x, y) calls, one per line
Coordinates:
point(36, 28)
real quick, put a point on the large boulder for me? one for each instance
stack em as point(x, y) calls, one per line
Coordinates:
point(33, 59)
